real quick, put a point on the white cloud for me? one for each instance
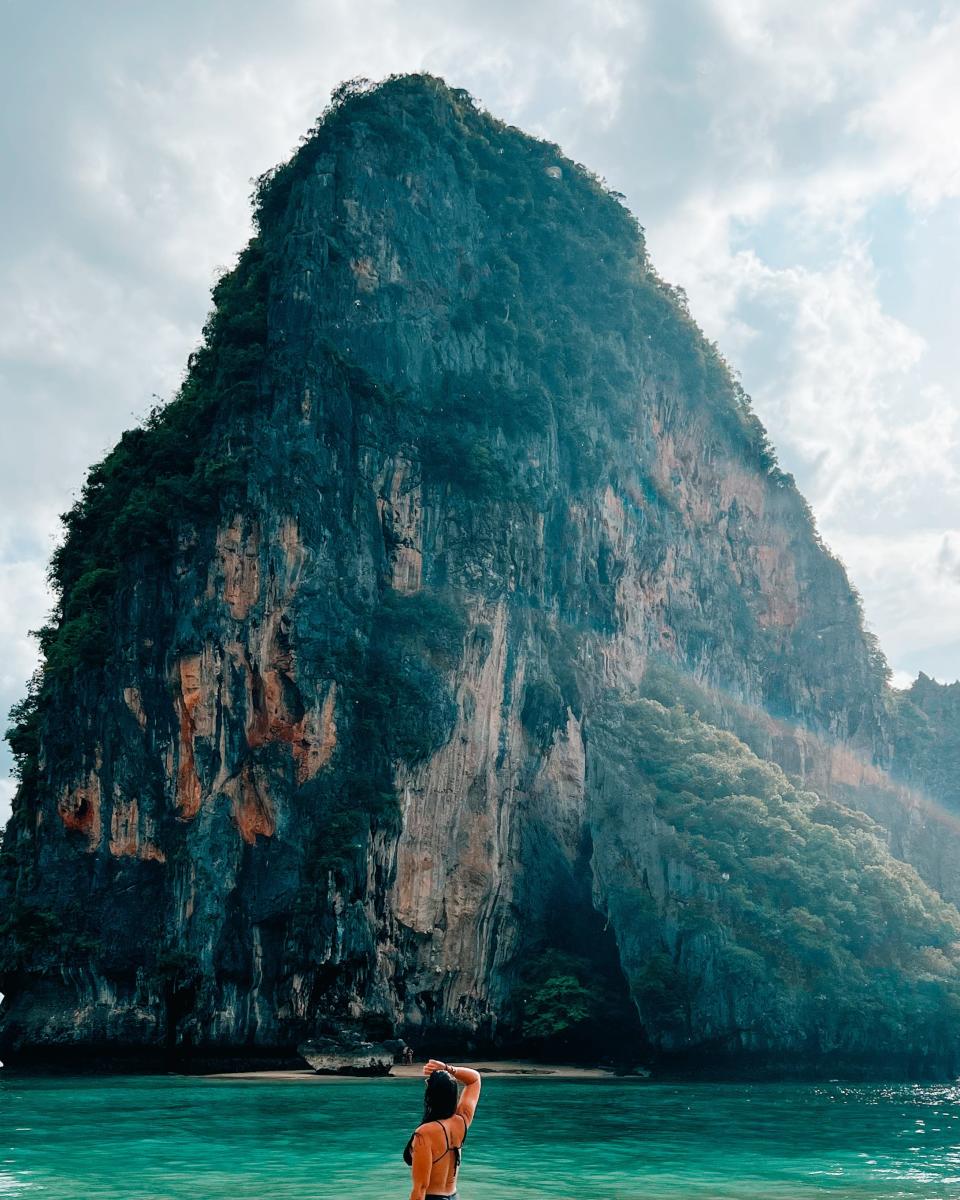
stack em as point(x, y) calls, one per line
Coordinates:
point(759, 143)
point(600, 80)
point(7, 788)
point(914, 117)
point(838, 392)
point(914, 622)
point(948, 557)
point(24, 603)
point(23, 587)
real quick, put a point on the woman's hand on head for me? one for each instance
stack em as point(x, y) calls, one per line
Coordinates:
point(434, 1065)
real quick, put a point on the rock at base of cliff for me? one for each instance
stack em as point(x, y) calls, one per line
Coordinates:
point(328, 1056)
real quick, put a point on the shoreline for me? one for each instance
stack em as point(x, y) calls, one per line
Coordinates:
point(487, 1067)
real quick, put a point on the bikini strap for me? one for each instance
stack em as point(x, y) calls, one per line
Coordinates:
point(446, 1138)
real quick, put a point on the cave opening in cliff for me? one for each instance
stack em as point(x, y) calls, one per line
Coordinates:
point(573, 1001)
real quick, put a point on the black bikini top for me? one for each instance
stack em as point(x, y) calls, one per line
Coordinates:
point(408, 1152)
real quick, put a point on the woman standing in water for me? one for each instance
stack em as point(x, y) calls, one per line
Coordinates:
point(433, 1152)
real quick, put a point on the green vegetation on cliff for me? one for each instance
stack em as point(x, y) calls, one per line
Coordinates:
point(571, 1005)
point(926, 723)
point(174, 471)
point(793, 894)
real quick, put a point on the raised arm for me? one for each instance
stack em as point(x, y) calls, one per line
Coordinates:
point(465, 1075)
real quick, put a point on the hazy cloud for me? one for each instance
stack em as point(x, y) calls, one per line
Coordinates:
point(921, 618)
point(796, 169)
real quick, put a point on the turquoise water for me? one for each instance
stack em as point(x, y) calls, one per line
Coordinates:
point(171, 1138)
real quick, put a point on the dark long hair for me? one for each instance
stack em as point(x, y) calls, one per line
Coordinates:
point(439, 1102)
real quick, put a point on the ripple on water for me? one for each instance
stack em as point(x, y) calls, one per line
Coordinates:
point(535, 1139)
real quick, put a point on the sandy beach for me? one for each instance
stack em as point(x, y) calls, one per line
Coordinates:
point(415, 1071)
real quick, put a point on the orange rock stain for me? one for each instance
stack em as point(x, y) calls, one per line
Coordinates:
point(79, 810)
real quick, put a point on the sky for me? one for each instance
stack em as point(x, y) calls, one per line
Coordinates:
point(796, 168)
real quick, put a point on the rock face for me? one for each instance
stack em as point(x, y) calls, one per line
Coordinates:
point(330, 1056)
point(315, 738)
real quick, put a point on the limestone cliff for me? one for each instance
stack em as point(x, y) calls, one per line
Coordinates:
point(330, 731)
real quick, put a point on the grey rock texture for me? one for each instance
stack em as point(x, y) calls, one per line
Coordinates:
point(333, 1056)
point(334, 759)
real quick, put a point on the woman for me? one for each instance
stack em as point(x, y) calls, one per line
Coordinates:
point(433, 1152)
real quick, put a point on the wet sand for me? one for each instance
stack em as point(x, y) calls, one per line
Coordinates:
point(415, 1071)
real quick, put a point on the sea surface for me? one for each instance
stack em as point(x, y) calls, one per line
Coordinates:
point(171, 1138)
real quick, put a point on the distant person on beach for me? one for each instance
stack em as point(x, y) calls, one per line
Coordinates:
point(433, 1152)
